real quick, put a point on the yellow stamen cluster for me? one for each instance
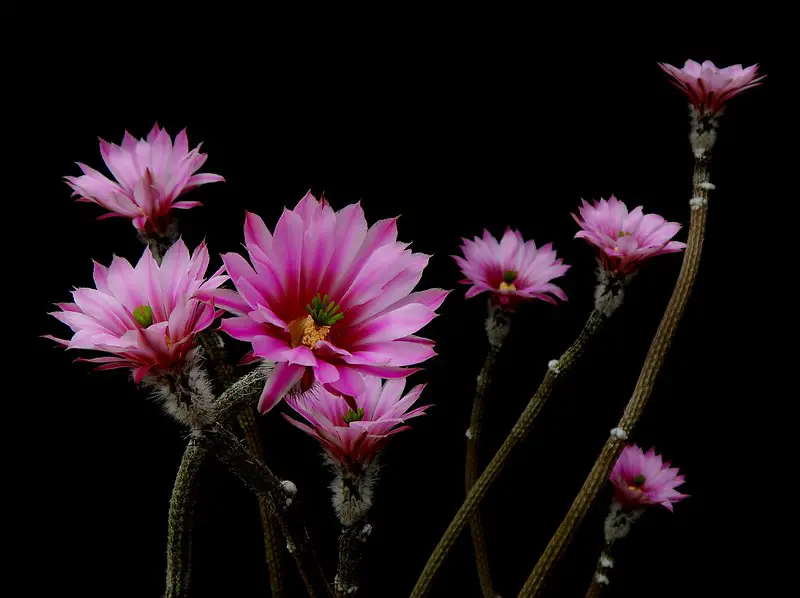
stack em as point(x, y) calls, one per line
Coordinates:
point(506, 286)
point(304, 331)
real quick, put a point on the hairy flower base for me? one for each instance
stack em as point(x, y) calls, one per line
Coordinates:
point(352, 488)
point(186, 394)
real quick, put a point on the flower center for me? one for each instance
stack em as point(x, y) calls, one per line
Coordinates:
point(620, 235)
point(144, 315)
point(509, 276)
point(305, 331)
point(316, 326)
point(353, 416)
point(637, 483)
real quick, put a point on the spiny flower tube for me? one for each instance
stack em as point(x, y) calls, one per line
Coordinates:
point(146, 317)
point(624, 240)
point(709, 87)
point(149, 175)
point(512, 270)
point(328, 299)
point(642, 479)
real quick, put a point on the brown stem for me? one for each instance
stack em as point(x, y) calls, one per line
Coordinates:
point(596, 589)
point(258, 477)
point(352, 541)
point(600, 578)
point(272, 535)
point(644, 386)
point(224, 375)
point(471, 471)
point(517, 435)
point(179, 527)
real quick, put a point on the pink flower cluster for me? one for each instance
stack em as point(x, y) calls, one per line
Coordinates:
point(357, 430)
point(512, 270)
point(709, 87)
point(329, 299)
point(625, 239)
point(149, 175)
point(147, 316)
point(642, 479)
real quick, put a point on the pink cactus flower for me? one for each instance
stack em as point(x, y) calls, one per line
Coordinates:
point(328, 299)
point(356, 431)
point(709, 87)
point(512, 270)
point(146, 317)
point(149, 176)
point(641, 479)
point(624, 240)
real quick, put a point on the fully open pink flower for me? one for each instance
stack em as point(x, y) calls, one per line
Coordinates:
point(512, 270)
point(709, 87)
point(149, 176)
point(329, 297)
point(641, 479)
point(147, 317)
point(625, 240)
point(356, 435)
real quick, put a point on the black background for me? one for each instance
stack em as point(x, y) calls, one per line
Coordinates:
point(456, 134)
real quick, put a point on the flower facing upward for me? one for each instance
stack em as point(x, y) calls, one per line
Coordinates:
point(147, 317)
point(709, 87)
point(642, 479)
point(625, 240)
point(328, 299)
point(149, 176)
point(357, 430)
point(512, 270)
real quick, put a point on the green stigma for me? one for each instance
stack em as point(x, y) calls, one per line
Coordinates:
point(323, 311)
point(144, 315)
point(509, 276)
point(639, 480)
point(353, 416)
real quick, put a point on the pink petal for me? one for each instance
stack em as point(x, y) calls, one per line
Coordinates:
point(282, 379)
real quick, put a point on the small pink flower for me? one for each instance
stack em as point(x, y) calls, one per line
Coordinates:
point(512, 270)
point(625, 240)
point(641, 479)
point(147, 317)
point(329, 299)
point(357, 430)
point(709, 87)
point(149, 176)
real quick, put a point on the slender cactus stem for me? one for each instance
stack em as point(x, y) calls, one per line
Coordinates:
point(225, 376)
point(555, 372)
point(352, 542)
point(472, 470)
point(644, 386)
point(180, 524)
point(272, 534)
point(283, 506)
